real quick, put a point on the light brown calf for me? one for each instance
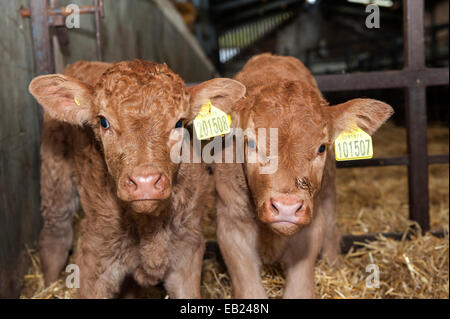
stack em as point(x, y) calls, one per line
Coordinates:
point(287, 216)
point(107, 136)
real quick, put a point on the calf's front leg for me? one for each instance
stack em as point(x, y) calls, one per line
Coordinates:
point(101, 276)
point(299, 261)
point(183, 278)
point(240, 255)
point(327, 205)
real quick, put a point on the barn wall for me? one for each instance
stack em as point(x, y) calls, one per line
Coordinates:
point(141, 29)
point(19, 149)
point(146, 29)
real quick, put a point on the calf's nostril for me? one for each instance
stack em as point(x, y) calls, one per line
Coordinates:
point(274, 207)
point(301, 210)
point(158, 182)
point(129, 183)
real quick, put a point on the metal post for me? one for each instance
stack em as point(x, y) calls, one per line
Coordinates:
point(42, 45)
point(43, 59)
point(98, 28)
point(416, 114)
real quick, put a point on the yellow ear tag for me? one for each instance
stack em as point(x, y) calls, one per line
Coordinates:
point(211, 121)
point(76, 101)
point(354, 144)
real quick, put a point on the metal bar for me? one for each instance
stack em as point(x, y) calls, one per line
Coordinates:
point(43, 61)
point(98, 28)
point(383, 79)
point(390, 161)
point(413, 33)
point(25, 12)
point(416, 114)
point(347, 242)
point(438, 159)
point(416, 123)
point(42, 46)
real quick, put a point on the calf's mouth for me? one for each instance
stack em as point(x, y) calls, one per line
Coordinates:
point(152, 207)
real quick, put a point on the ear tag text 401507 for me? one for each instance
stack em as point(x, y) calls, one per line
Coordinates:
point(211, 121)
point(354, 144)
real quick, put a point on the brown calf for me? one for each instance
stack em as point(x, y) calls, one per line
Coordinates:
point(289, 215)
point(107, 136)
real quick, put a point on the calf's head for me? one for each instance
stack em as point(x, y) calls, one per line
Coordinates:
point(134, 109)
point(307, 127)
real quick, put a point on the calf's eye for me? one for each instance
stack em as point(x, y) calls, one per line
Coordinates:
point(104, 122)
point(322, 149)
point(179, 124)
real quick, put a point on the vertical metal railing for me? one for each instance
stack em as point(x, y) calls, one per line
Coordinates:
point(414, 77)
point(416, 113)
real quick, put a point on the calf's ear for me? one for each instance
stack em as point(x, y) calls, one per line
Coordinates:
point(63, 97)
point(223, 93)
point(367, 114)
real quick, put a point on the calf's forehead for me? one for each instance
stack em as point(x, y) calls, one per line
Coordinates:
point(289, 101)
point(301, 130)
point(140, 88)
point(298, 122)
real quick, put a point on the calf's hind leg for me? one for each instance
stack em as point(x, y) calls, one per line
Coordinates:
point(59, 199)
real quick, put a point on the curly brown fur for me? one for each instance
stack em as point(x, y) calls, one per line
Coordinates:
point(142, 210)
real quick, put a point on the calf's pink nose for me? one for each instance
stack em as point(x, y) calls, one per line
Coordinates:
point(146, 186)
point(287, 208)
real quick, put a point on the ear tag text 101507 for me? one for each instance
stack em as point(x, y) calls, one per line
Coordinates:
point(354, 144)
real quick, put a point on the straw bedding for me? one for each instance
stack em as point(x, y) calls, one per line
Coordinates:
point(369, 200)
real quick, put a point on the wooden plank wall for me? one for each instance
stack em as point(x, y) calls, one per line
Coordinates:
point(141, 29)
point(19, 149)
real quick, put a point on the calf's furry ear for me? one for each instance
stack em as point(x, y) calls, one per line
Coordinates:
point(63, 98)
point(223, 93)
point(367, 114)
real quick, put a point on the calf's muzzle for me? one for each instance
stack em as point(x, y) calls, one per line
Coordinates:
point(285, 209)
point(146, 184)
